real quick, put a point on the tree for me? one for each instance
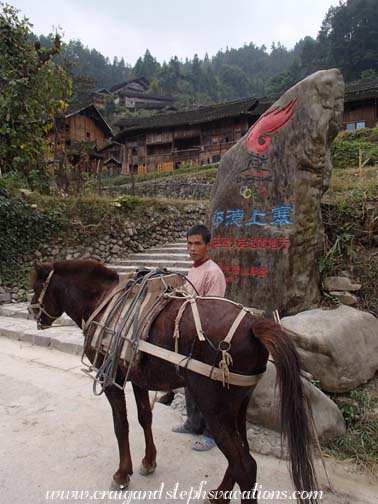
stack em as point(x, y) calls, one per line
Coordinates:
point(146, 67)
point(33, 91)
point(235, 82)
point(349, 37)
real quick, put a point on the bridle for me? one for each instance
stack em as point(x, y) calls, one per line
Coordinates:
point(40, 306)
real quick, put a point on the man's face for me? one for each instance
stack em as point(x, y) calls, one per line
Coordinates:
point(197, 248)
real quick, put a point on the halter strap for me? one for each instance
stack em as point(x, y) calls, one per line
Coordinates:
point(39, 304)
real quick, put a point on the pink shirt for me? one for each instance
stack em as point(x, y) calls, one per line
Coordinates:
point(208, 279)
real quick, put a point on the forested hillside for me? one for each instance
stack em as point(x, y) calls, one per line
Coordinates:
point(347, 39)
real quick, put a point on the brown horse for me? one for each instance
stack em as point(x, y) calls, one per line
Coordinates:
point(77, 287)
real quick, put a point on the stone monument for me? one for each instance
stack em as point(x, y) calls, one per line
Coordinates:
point(264, 212)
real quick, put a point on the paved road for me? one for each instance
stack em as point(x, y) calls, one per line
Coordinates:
point(56, 436)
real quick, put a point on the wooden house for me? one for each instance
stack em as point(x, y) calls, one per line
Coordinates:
point(361, 105)
point(134, 95)
point(169, 141)
point(82, 130)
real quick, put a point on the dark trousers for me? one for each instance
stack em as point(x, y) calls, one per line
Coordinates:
point(195, 421)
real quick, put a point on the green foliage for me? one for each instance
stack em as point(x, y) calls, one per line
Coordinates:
point(348, 40)
point(360, 410)
point(350, 218)
point(12, 182)
point(128, 203)
point(34, 89)
point(22, 227)
point(340, 250)
point(350, 32)
point(346, 154)
point(206, 169)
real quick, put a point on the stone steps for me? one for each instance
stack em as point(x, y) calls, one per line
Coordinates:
point(132, 267)
point(159, 256)
point(172, 256)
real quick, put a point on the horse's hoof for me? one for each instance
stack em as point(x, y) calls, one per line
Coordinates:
point(120, 483)
point(146, 470)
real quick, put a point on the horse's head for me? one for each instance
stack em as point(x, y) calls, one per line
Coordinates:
point(44, 305)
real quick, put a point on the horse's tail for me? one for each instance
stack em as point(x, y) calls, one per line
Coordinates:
point(295, 414)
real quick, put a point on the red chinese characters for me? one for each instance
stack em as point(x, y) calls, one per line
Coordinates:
point(234, 272)
point(250, 243)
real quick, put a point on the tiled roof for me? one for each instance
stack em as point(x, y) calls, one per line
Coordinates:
point(361, 90)
point(191, 117)
point(135, 94)
point(141, 80)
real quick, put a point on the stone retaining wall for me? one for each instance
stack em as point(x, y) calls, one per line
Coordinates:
point(119, 241)
point(184, 187)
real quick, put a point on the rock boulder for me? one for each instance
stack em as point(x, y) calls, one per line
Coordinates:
point(264, 407)
point(338, 347)
point(264, 211)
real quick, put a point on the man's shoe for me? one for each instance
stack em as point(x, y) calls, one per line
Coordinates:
point(182, 429)
point(205, 443)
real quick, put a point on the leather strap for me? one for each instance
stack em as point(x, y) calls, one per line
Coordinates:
point(197, 320)
point(235, 325)
point(197, 366)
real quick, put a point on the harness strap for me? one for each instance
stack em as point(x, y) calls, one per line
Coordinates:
point(45, 285)
point(197, 366)
point(197, 320)
point(235, 325)
point(176, 333)
point(39, 304)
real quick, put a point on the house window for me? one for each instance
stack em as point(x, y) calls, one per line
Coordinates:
point(351, 126)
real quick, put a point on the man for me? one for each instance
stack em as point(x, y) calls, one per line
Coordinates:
point(209, 280)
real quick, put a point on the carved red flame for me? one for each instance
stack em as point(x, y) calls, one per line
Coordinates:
point(260, 134)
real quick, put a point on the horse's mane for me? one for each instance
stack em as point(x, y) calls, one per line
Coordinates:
point(89, 274)
point(87, 267)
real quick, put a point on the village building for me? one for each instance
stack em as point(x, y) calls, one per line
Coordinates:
point(134, 95)
point(82, 129)
point(196, 137)
point(361, 105)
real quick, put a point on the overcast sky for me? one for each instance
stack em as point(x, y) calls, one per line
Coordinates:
point(173, 27)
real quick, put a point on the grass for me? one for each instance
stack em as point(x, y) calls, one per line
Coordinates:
point(207, 170)
point(360, 442)
point(351, 224)
point(345, 181)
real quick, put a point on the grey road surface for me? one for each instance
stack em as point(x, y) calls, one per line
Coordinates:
point(57, 443)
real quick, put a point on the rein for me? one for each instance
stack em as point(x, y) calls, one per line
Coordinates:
point(40, 306)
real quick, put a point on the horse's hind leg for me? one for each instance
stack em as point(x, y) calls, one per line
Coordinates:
point(242, 467)
point(229, 480)
point(116, 398)
point(229, 431)
point(145, 419)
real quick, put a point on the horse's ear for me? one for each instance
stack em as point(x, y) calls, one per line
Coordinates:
point(42, 269)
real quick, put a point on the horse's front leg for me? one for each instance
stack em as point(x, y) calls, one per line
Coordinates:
point(142, 399)
point(117, 400)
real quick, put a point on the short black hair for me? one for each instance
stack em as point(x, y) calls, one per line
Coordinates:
point(200, 229)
